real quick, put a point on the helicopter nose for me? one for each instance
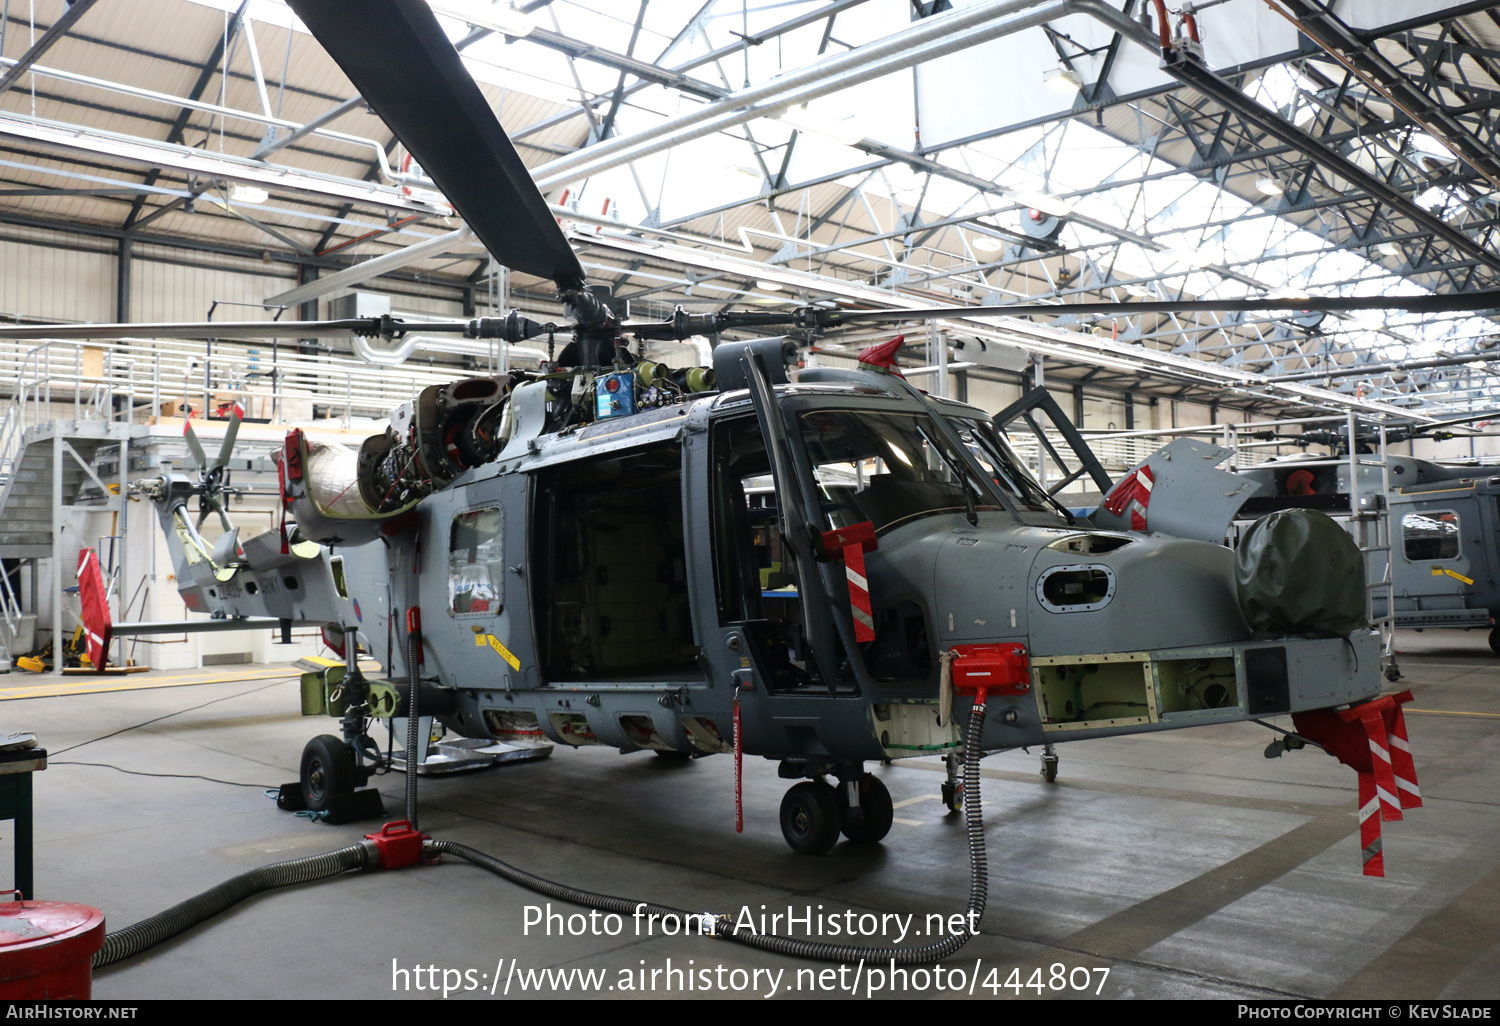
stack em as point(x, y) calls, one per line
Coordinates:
point(1154, 593)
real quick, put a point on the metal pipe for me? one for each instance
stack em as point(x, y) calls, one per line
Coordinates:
point(373, 268)
point(414, 343)
point(924, 41)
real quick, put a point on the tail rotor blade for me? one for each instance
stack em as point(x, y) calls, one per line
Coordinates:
point(227, 449)
point(195, 448)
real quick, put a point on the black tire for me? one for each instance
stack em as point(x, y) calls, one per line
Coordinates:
point(1049, 768)
point(810, 818)
point(327, 770)
point(1495, 640)
point(953, 797)
point(872, 820)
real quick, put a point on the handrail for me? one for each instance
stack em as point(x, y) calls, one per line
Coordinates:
point(143, 375)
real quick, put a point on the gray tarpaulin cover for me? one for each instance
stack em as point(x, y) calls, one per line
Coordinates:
point(1298, 572)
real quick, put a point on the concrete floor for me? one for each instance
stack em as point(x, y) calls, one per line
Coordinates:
point(1185, 863)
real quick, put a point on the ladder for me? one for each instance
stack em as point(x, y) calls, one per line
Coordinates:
point(1371, 529)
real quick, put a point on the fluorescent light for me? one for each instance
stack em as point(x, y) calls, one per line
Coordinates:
point(1269, 186)
point(767, 286)
point(503, 19)
point(1063, 80)
point(986, 244)
point(248, 194)
point(1047, 204)
point(1388, 249)
point(804, 121)
point(1139, 291)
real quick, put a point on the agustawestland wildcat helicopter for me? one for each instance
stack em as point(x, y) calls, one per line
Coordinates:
point(1444, 521)
point(824, 573)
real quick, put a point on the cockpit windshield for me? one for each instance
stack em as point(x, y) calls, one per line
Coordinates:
point(888, 468)
point(1004, 466)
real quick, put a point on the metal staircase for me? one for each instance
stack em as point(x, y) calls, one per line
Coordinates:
point(50, 473)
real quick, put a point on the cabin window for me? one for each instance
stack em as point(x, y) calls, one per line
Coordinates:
point(476, 562)
point(1430, 535)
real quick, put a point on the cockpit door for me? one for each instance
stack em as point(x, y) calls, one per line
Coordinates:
point(799, 530)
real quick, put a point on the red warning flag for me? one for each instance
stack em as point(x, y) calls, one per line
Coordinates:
point(95, 612)
point(1132, 492)
point(1370, 738)
point(854, 541)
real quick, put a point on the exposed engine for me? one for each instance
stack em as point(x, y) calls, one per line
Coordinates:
point(339, 495)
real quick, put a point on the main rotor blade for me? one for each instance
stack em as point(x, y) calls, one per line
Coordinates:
point(226, 449)
point(402, 63)
point(365, 326)
point(1470, 302)
point(195, 448)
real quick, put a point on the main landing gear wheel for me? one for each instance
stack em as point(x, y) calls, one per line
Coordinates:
point(327, 770)
point(871, 819)
point(810, 818)
point(1495, 640)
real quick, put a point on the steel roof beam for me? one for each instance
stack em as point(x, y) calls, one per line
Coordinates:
point(59, 28)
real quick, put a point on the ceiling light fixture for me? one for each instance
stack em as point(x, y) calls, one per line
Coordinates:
point(500, 18)
point(1061, 79)
point(1388, 249)
point(767, 286)
point(248, 194)
point(1269, 186)
point(986, 244)
point(803, 121)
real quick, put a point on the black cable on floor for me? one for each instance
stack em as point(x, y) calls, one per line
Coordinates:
point(168, 716)
point(143, 773)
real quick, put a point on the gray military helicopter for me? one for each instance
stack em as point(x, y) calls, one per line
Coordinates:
point(1444, 522)
point(825, 573)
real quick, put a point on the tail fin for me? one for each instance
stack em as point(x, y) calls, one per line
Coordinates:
point(95, 602)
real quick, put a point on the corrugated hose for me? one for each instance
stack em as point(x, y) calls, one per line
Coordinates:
point(182, 917)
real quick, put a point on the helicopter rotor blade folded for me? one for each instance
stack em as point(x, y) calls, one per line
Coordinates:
point(402, 63)
point(195, 447)
point(226, 449)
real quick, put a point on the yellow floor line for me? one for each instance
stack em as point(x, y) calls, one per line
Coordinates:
point(1446, 712)
point(92, 686)
point(920, 798)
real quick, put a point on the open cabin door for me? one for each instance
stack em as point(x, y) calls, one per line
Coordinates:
point(808, 656)
point(609, 573)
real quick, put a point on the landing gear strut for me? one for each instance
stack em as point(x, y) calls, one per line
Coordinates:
point(953, 787)
point(870, 819)
point(1049, 763)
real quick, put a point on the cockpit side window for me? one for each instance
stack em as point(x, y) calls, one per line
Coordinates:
point(1429, 535)
point(1006, 469)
